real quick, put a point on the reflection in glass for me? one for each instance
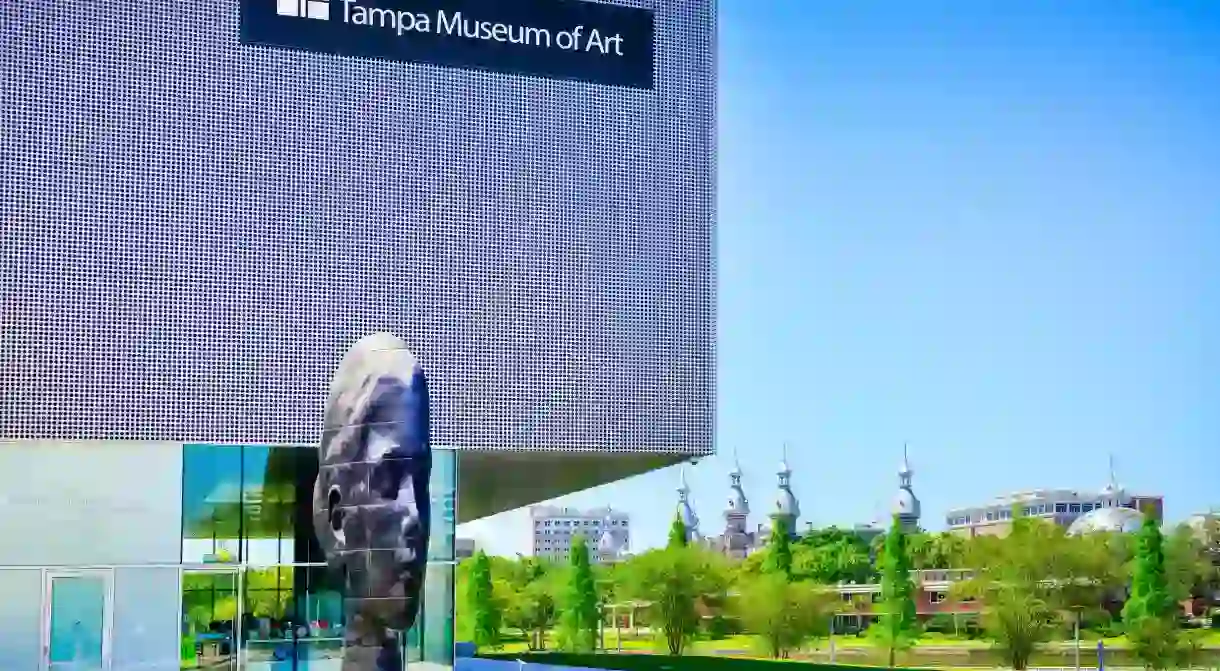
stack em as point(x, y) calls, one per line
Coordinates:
point(78, 622)
point(211, 503)
point(240, 505)
point(269, 499)
point(437, 639)
point(210, 610)
point(285, 623)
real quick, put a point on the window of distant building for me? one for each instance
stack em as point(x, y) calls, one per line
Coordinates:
point(1074, 508)
point(938, 597)
point(1061, 507)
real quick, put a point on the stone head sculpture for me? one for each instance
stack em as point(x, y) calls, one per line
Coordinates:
point(371, 500)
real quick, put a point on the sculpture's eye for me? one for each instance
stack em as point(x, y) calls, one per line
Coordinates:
point(333, 499)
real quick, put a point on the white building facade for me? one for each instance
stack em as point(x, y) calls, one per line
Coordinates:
point(554, 528)
point(1060, 506)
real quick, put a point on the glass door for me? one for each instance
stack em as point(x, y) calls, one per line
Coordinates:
point(76, 620)
point(211, 618)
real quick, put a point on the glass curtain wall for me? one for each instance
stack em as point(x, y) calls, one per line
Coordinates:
point(256, 593)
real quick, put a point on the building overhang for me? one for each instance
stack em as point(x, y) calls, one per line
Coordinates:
point(495, 481)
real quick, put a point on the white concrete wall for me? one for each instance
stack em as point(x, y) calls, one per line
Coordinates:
point(87, 503)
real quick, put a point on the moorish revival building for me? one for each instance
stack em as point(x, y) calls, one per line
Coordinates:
point(686, 513)
point(906, 504)
point(738, 540)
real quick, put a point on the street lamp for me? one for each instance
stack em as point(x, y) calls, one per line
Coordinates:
point(1076, 634)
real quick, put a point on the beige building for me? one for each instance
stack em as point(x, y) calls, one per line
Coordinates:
point(1061, 506)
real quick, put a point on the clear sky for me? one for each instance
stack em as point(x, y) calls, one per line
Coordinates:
point(991, 229)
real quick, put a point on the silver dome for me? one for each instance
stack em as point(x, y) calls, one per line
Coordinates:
point(689, 520)
point(607, 544)
point(685, 512)
point(906, 505)
point(786, 504)
point(738, 503)
point(1121, 520)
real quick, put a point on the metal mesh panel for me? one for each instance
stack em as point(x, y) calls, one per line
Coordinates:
point(194, 231)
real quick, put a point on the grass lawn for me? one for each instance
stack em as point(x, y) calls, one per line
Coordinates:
point(746, 644)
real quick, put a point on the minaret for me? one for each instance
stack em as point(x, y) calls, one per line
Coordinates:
point(685, 512)
point(787, 508)
point(1112, 494)
point(906, 504)
point(736, 538)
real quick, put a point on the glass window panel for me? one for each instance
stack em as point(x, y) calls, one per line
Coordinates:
point(211, 503)
point(209, 614)
point(443, 488)
point(438, 610)
point(78, 622)
point(292, 614)
point(270, 497)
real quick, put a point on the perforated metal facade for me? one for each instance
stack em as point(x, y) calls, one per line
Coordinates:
point(195, 230)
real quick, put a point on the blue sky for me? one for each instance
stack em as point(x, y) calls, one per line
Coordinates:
point(991, 229)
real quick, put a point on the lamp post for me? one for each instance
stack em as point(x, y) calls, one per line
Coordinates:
point(832, 638)
point(1076, 636)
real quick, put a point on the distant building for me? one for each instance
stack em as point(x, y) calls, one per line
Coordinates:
point(906, 504)
point(1061, 506)
point(686, 512)
point(555, 527)
point(464, 548)
point(787, 507)
point(611, 546)
point(933, 596)
point(738, 540)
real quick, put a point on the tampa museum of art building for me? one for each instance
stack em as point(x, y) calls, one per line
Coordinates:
point(205, 204)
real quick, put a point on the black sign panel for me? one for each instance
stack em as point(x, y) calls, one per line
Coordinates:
point(562, 39)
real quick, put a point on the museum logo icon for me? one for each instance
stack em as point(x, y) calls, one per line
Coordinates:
point(305, 9)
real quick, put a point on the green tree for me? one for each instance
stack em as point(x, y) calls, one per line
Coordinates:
point(779, 549)
point(1188, 567)
point(677, 533)
point(581, 613)
point(485, 611)
point(530, 604)
point(897, 625)
point(678, 583)
point(784, 615)
point(936, 551)
point(836, 561)
point(1017, 581)
point(1149, 615)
